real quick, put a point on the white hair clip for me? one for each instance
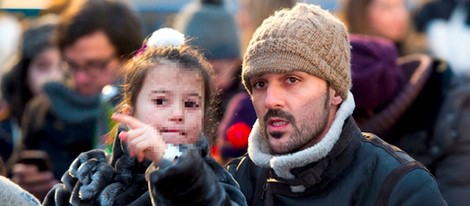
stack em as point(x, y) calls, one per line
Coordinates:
point(165, 37)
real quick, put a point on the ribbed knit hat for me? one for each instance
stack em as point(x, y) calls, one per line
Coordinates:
point(305, 38)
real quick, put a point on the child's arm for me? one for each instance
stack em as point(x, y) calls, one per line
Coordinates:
point(193, 180)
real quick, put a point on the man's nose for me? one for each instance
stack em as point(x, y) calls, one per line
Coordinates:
point(81, 77)
point(274, 98)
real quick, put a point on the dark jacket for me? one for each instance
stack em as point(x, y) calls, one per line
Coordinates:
point(9, 133)
point(430, 121)
point(61, 123)
point(117, 179)
point(360, 169)
point(448, 151)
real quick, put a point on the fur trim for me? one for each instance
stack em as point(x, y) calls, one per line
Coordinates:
point(259, 152)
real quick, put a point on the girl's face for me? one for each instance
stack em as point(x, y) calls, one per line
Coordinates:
point(172, 100)
point(44, 67)
point(388, 19)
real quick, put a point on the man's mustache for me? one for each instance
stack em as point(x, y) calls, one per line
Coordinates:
point(278, 113)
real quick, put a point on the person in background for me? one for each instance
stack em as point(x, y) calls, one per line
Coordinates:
point(305, 148)
point(11, 34)
point(421, 109)
point(213, 30)
point(39, 61)
point(166, 113)
point(251, 14)
point(235, 126)
point(446, 25)
point(388, 19)
point(94, 39)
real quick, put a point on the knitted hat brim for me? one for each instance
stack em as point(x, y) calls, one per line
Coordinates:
point(282, 61)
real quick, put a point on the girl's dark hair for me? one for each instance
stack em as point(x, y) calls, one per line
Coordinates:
point(137, 69)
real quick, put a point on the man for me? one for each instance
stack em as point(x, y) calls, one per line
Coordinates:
point(94, 38)
point(305, 148)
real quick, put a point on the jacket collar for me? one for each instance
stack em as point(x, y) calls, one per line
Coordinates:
point(282, 164)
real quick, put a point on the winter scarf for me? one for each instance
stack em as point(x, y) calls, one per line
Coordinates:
point(69, 105)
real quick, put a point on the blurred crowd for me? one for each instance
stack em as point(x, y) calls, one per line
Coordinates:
point(60, 79)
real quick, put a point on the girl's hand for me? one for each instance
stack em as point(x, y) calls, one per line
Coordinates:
point(143, 140)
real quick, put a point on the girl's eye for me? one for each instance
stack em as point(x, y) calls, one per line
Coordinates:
point(160, 101)
point(292, 80)
point(191, 104)
point(259, 85)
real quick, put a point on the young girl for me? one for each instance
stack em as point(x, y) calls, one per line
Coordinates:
point(161, 157)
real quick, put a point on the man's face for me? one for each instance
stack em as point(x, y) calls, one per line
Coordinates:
point(92, 62)
point(294, 109)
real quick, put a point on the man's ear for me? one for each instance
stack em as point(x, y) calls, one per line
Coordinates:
point(127, 109)
point(336, 99)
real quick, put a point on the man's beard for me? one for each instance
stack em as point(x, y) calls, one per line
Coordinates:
point(308, 133)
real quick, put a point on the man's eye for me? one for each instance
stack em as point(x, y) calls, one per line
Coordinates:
point(259, 85)
point(291, 80)
point(160, 101)
point(191, 104)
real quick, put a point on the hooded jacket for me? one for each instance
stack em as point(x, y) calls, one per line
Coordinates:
point(346, 167)
point(95, 178)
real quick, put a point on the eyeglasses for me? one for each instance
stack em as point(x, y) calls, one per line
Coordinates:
point(93, 68)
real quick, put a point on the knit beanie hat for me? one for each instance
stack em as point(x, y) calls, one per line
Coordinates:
point(211, 29)
point(305, 38)
point(374, 62)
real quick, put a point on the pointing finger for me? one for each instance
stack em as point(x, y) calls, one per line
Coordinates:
point(127, 120)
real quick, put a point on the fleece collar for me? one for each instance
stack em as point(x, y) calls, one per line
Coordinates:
point(259, 152)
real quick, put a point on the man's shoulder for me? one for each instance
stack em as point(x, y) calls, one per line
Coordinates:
point(381, 149)
point(386, 159)
point(243, 167)
point(239, 163)
point(393, 168)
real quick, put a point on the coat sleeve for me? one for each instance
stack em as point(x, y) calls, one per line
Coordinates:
point(82, 183)
point(193, 180)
